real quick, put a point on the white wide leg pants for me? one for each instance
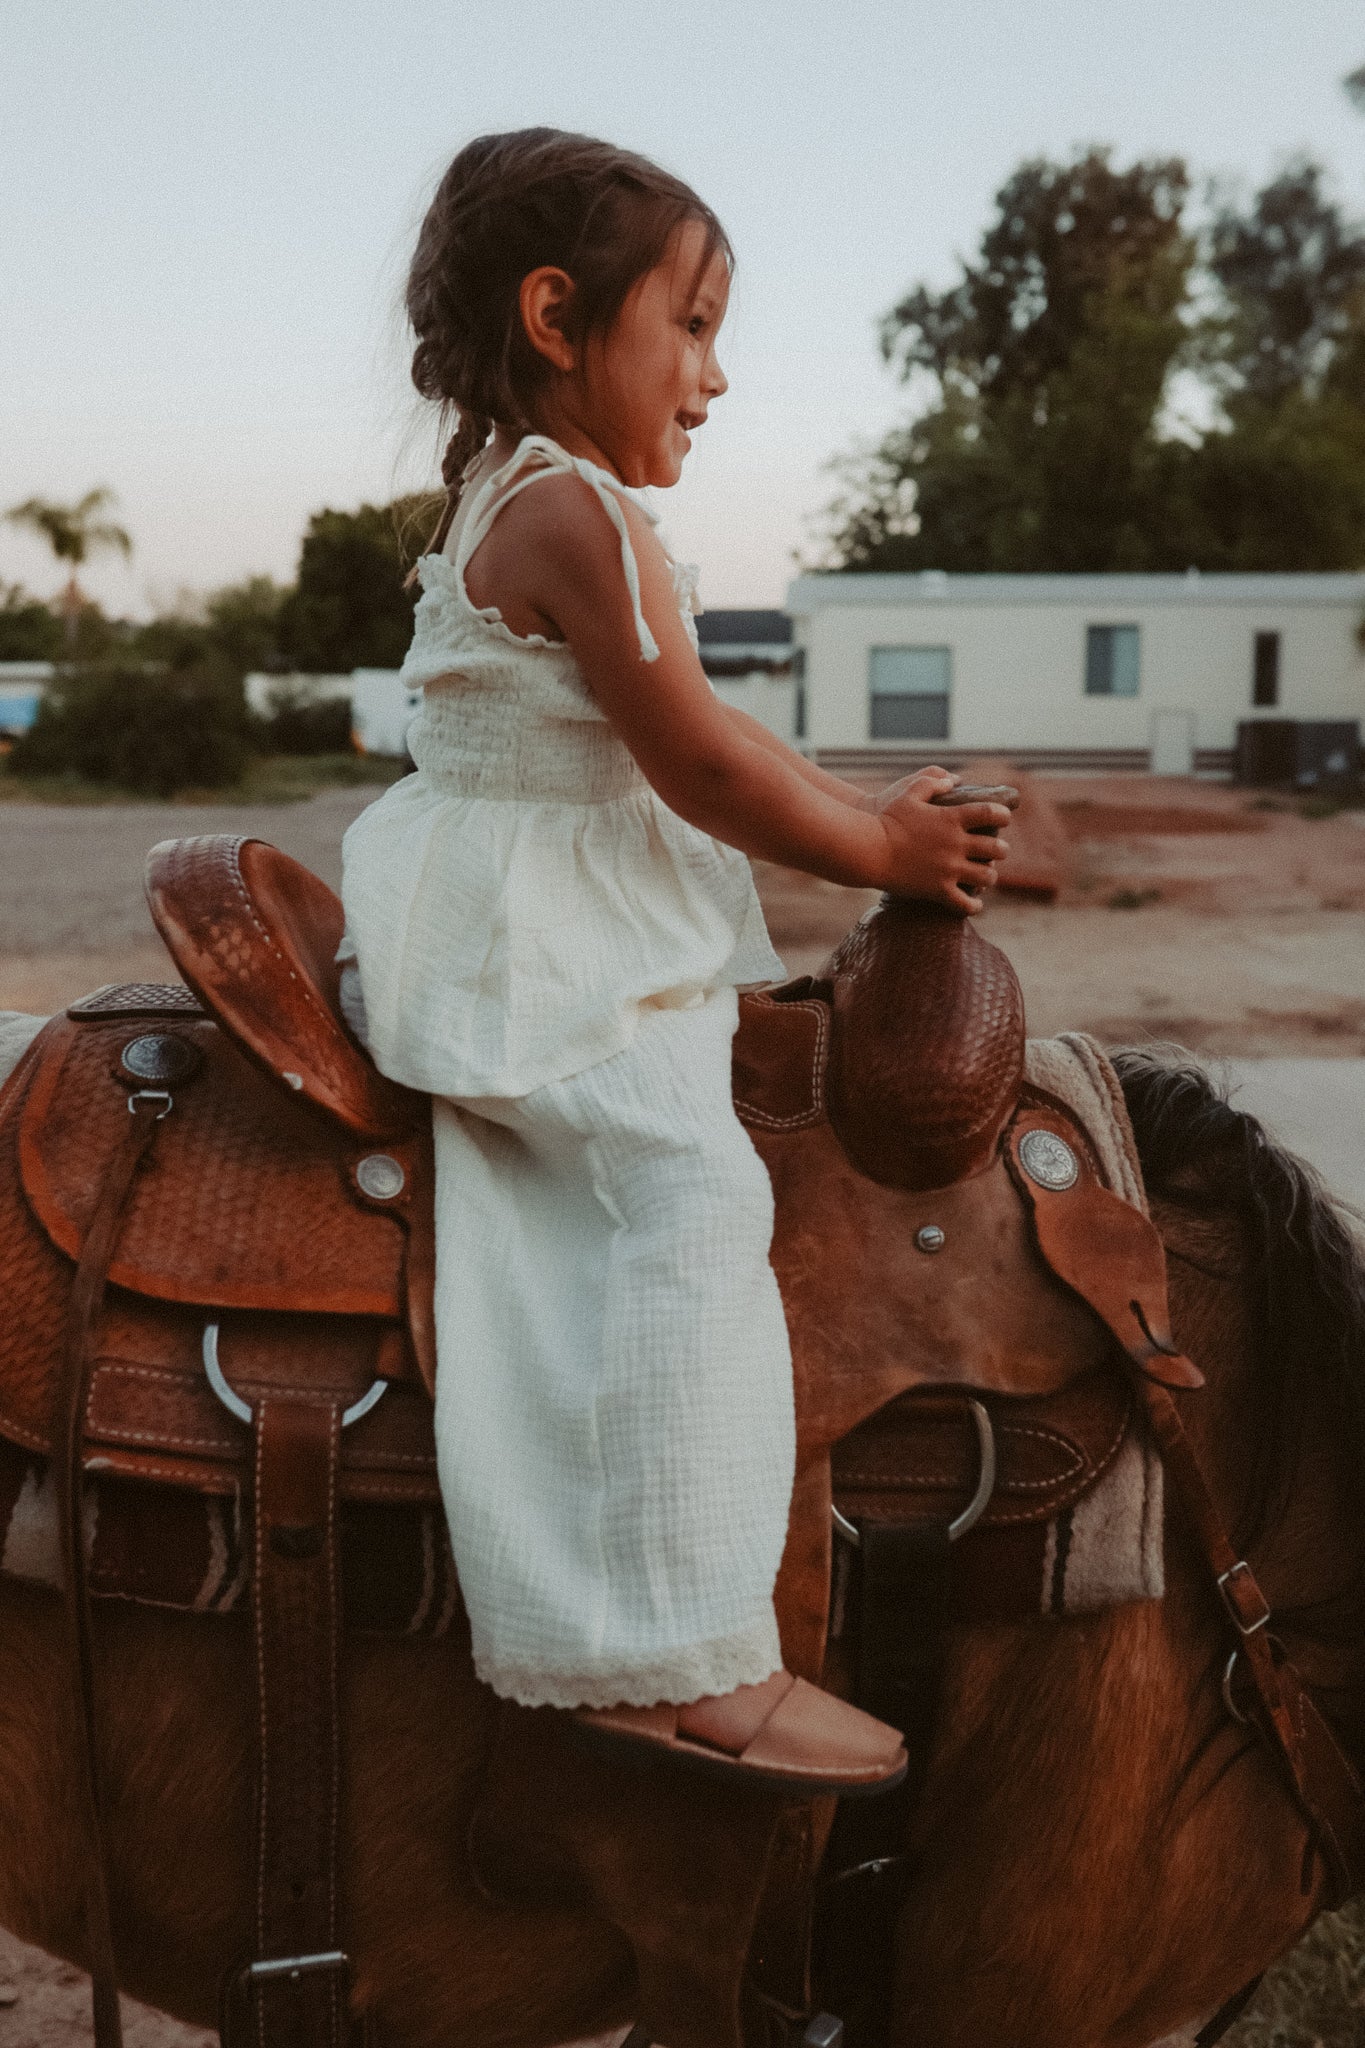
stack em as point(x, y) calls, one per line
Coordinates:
point(614, 1411)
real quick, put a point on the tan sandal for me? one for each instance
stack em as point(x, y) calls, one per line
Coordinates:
point(809, 1740)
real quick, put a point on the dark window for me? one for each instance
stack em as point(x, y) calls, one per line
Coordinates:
point(909, 690)
point(1111, 661)
point(1265, 669)
point(799, 678)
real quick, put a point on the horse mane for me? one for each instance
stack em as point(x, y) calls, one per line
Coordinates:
point(1304, 1261)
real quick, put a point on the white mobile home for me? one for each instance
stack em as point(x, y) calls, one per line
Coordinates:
point(1083, 672)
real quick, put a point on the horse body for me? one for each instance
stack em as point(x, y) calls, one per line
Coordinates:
point(1104, 1856)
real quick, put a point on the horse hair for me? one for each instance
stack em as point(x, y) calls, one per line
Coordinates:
point(1305, 1263)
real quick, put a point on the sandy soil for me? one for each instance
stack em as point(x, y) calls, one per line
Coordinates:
point(1189, 913)
point(46, 2004)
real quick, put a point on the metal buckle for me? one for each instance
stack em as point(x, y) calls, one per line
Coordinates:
point(1226, 1580)
point(234, 2003)
point(235, 1405)
point(980, 1500)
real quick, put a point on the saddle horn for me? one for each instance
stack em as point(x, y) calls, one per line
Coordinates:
point(927, 1041)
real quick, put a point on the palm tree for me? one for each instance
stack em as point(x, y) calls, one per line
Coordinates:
point(73, 532)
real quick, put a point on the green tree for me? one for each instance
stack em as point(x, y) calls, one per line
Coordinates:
point(1043, 439)
point(237, 627)
point(1292, 274)
point(243, 620)
point(1042, 372)
point(1280, 482)
point(29, 629)
point(349, 608)
point(74, 532)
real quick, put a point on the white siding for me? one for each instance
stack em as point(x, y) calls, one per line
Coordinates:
point(1018, 654)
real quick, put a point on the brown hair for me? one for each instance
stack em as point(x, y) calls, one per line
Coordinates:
point(508, 204)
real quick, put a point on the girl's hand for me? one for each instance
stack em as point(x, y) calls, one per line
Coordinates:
point(925, 783)
point(939, 853)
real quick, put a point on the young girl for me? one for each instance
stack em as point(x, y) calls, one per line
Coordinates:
point(549, 922)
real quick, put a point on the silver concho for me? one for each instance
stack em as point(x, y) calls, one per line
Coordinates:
point(929, 1238)
point(159, 1056)
point(380, 1177)
point(1049, 1160)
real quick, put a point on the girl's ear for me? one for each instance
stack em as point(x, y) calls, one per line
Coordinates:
point(545, 298)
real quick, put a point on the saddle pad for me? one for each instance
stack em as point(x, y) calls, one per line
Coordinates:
point(163, 1548)
point(249, 1199)
point(1074, 1525)
point(185, 1548)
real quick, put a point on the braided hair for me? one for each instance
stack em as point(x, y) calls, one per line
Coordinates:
point(508, 205)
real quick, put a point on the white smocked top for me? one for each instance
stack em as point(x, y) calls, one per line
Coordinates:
point(512, 905)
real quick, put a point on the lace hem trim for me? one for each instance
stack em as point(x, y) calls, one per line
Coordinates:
point(690, 1674)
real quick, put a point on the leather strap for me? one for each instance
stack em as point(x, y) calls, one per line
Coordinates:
point(1103, 1248)
point(1321, 1777)
point(903, 1614)
point(1228, 2014)
point(297, 1615)
point(73, 1388)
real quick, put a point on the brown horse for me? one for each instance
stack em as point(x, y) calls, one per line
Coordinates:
point(1104, 1856)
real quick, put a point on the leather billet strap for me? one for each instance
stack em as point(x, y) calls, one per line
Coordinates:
point(146, 1109)
point(297, 1619)
point(1111, 1255)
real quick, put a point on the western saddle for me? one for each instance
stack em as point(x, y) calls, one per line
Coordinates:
point(177, 1328)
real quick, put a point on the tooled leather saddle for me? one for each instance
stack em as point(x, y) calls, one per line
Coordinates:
point(223, 1258)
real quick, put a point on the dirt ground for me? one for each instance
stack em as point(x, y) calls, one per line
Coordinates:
point(1190, 911)
point(46, 2004)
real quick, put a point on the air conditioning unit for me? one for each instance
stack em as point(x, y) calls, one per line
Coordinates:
point(1307, 753)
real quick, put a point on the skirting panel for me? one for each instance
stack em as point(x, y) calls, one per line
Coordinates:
point(892, 761)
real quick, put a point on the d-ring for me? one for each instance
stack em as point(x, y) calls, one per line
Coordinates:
point(235, 1405)
point(1229, 1696)
point(980, 1500)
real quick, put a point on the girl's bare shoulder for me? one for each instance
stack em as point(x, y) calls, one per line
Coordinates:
point(555, 534)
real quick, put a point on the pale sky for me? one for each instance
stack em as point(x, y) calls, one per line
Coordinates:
point(206, 207)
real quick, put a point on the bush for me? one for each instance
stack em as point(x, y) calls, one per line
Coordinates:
point(153, 733)
point(29, 631)
point(297, 725)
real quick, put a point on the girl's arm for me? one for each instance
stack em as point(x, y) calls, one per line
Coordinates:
point(927, 781)
point(554, 552)
point(819, 778)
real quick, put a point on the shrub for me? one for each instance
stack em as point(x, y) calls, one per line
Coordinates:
point(297, 724)
point(142, 730)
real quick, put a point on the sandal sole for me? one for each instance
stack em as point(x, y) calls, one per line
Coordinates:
point(715, 1764)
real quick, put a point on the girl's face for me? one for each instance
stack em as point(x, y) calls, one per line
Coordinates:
point(636, 393)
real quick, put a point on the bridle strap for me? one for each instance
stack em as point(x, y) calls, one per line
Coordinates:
point(73, 1389)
